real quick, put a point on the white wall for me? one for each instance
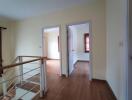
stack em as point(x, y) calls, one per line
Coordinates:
point(7, 37)
point(28, 67)
point(51, 37)
point(116, 47)
point(83, 56)
point(7, 46)
point(80, 57)
point(81, 30)
point(29, 33)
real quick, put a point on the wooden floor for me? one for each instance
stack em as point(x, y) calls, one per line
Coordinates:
point(53, 67)
point(77, 86)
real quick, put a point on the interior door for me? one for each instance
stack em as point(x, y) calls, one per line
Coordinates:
point(0, 47)
point(70, 51)
point(1, 28)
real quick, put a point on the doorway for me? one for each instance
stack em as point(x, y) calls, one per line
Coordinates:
point(79, 46)
point(52, 50)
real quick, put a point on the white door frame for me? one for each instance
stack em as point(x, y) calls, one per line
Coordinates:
point(60, 54)
point(90, 45)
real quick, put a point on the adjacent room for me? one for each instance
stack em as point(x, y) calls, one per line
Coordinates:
point(51, 50)
point(79, 46)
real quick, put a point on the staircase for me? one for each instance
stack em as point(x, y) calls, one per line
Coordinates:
point(20, 88)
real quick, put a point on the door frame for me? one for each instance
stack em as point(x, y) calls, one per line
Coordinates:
point(60, 50)
point(90, 45)
point(128, 29)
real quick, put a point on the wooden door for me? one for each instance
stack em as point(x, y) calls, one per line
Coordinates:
point(1, 28)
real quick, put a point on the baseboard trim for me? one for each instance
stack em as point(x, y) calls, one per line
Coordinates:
point(107, 84)
point(111, 90)
point(101, 80)
point(63, 75)
point(82, 61)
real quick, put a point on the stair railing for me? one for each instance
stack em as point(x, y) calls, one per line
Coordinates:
point(14, 82)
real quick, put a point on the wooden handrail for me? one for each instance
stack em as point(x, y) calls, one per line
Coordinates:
point(17, 64)
point(25, 62)
point(32, 56)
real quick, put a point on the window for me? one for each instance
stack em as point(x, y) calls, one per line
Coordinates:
point(58, 44)
point(86, 42)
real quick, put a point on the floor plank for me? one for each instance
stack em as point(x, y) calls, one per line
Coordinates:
point(77, 86)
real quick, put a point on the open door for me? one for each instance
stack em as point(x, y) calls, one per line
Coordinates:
point(70, 52)
point(78, 37)
point(130, 53)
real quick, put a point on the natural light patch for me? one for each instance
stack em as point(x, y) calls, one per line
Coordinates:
point(20, 92)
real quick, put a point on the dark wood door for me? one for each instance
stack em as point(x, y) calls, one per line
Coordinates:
point(0, 47)
point(1, 28)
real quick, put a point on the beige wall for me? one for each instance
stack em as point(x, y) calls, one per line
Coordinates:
point(7, 46)
point(29, 33)
point(7, 38)
point(117, 47)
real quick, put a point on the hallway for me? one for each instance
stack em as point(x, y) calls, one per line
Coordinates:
point(77, 86)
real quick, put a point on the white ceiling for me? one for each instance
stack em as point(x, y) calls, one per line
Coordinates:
point(21, 9)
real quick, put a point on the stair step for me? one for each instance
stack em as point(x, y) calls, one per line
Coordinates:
point(28, 86)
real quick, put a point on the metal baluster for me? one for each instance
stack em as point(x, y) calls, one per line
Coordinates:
point(43, 87)
point(4, 86)
point(21, 69)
